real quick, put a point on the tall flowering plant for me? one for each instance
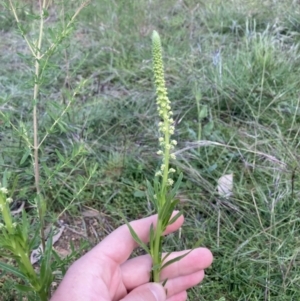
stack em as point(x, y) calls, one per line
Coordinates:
point(163, 191)
point(16, 244)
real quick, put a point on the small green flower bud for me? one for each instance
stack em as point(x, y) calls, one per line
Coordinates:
point(9, 200)
point(170, 182)
point(3, 190)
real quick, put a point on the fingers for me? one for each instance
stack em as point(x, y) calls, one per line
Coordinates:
point(182, 296)
point(177, 285)
point(147, 292)
point(119, 244)
point(199, 259)
point(136, 271)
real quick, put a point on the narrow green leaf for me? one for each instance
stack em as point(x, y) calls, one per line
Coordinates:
point(12, 270)
point(152, 238)
point(23, 288)
point(137, 239)
point(166, 256)
point(135, 236)
point(198, 243)
point(14, 185)
point(25, 225)
point(5, 178)
point(151, 192)
point(59, 155)
point(47, 171)
point(33, 240)
point(174, 218)
point(167, 212)
point(176, 186)
point(175, 259)
point(25, 156)
point(164, 283)
point(150, 189)
point(46, 275)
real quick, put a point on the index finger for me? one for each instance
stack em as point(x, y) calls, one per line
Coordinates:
point(119, 244)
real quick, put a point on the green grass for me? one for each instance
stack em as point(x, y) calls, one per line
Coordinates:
point(243, 58)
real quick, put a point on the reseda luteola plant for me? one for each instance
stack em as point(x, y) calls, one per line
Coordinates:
point(163, 197)
point(163, 191)
point(15, 244)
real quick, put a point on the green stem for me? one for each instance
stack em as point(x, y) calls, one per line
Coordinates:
point(157, 252)
point(32, 276)
point(35, 122)
point(166, 158)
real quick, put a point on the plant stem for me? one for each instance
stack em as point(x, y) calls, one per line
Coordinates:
point(157, 252)
point(35, 122)
point(166, 156)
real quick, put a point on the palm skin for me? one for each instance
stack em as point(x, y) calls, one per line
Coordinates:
point(106, 274)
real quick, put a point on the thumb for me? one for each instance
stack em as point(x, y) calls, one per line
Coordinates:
point(147, 292)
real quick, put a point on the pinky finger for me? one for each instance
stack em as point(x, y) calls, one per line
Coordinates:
point(182, 296)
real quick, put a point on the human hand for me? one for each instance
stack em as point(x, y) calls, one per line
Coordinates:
point(106, 274)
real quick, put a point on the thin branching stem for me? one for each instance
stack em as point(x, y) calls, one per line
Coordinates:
point(12, 7)
point(35, 121)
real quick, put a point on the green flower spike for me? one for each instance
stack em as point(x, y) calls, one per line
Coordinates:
point(166, 126)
